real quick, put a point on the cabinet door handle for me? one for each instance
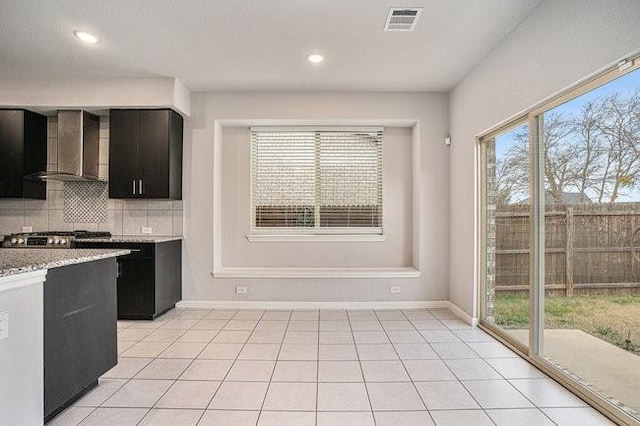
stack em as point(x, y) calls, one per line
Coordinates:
point(141, 192)
point(134, 186)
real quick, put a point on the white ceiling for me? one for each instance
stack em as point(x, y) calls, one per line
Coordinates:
point(255, 45)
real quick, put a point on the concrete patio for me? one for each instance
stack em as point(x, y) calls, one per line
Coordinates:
point(613, 371)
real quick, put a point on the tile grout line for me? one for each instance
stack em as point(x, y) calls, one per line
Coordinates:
point(364, 382)
point(94, 408)
point(84, 418)
point(460, 381)
point(384, 330)
point(153, 359)
point(236, 358)
point(405, 367)
point(274, 365)
point(444, 361)
point(503, 378)
point(192, 361)
point(127, 380)
point(196, 357)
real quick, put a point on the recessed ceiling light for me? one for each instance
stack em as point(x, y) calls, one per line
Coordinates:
point(86, 37)
point(315, 58)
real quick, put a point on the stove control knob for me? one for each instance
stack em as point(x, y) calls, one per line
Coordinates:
point(13, 241)
point(20, 240)
point(50, 241)
point(56, 241)
point(63, 241)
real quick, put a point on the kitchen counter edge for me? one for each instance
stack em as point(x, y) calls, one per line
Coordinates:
point(18, 261)
point(132, 239)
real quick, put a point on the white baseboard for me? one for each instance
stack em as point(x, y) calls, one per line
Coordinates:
point(260, 304)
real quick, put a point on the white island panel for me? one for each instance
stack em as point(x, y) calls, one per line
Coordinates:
point(21, 352)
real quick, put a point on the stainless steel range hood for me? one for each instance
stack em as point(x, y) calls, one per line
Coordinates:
point(78, 148)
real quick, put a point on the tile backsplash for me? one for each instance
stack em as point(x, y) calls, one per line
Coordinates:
point(71, 205)
point(85, 202)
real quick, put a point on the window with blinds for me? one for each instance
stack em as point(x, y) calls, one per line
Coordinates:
point(316, 181)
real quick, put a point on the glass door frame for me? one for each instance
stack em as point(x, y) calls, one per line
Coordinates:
point(535, 353)
point(513, 344)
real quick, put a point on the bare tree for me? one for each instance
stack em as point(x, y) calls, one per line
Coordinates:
point(594, 154)
point(620, 126)
point(590, 148)
point(560, 154)
point(512, 171)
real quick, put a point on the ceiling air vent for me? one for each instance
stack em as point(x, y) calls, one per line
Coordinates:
point(402, 19)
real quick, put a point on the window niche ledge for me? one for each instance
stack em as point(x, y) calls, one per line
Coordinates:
point(235, 272)
point(281, 238)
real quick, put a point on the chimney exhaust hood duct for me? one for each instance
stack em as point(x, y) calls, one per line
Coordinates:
point(78, 148)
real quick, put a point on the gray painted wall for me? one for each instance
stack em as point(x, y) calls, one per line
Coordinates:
point(558, 44)
point(431, 109)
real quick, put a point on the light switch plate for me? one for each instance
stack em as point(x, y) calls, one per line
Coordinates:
point(4, 325)
point(241, 290)
point(147, 230)
point(27, 229)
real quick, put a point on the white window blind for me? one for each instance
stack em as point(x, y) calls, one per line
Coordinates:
point(316, 181)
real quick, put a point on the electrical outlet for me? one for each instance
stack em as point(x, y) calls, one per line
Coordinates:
point(147, 230)
point(27, 229)
point(241, 290)
point(394, 289)
point(4, 325)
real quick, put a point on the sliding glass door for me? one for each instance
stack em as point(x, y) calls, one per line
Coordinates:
point(560, 237)
point(592, 210)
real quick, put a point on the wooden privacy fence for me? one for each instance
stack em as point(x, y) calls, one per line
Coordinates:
point(588, 248)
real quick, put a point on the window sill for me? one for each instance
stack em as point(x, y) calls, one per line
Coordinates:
point(280, 238)
point(402, 272)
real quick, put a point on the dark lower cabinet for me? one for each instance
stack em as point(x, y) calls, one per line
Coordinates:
point(149, 279)
point(80, 336)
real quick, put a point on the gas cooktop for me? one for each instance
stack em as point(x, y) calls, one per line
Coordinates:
point(50, 239)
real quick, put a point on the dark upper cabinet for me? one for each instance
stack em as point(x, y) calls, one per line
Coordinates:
point(124, 153)
point(145, 154)
point(23, 151)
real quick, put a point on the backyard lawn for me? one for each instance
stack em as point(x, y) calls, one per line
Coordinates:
point(613, 318)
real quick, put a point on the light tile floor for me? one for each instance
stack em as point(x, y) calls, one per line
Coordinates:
point(333, 368)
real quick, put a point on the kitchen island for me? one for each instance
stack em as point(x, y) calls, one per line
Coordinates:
point(57, 328)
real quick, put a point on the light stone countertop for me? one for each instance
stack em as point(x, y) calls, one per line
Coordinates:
point(132, 239)
point(17, 261)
